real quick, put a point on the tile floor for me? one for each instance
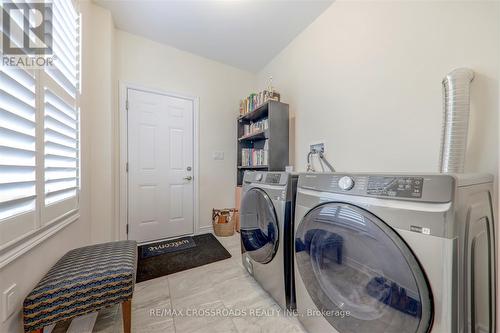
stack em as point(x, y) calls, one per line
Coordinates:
point(223, 287)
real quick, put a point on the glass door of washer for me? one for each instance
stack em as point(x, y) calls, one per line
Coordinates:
point(360, 274)
point(258, 226)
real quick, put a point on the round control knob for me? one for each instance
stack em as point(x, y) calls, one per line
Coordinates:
point(258, 177)
point(346, 183)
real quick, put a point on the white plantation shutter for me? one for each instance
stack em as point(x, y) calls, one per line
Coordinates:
point(61, 149)
point(61, 116)
point(39, 134)
point(17, 153)
point(65, 37)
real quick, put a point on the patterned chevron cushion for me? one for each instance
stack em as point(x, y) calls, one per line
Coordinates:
point(82, 281)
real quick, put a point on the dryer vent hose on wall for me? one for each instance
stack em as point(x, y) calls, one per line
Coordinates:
point(456, 93)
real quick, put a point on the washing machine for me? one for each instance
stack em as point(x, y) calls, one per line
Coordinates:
point(266, 228)
point(395, 253)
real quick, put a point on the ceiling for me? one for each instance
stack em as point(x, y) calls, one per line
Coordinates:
point(243, 33)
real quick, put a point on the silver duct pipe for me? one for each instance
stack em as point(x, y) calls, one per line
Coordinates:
point(456, 93)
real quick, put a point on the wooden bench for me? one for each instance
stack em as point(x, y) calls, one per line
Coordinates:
point(84, 280)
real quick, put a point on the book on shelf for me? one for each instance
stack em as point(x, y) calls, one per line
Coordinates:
point(254, 101)
point(255, 127)
point(254, 157)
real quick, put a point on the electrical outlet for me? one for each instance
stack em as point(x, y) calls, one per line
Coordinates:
point(317, 148)
point(9, 299)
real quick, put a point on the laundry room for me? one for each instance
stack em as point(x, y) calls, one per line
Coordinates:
point(249, 166)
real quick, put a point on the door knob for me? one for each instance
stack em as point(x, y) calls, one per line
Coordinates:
point(188, 178)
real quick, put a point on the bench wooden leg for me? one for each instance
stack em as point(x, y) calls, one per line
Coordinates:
point(127, 316)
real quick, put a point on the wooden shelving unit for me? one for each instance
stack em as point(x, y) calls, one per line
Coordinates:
point(276, 136)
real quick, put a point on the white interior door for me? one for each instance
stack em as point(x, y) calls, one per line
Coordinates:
point(160, 169)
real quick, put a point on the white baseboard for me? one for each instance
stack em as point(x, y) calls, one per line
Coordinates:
point(205, 229)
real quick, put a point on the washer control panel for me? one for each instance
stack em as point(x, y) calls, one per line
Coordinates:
point(273, 178)
point(400, 187)
point(266, 177)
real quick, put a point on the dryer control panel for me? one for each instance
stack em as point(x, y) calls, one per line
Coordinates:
point(401, 187)
point(277, 178)
point(430, 188)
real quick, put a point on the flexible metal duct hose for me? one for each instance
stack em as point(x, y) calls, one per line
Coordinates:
point(456, 91)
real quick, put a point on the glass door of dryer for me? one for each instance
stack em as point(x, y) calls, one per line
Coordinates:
point(360, 274)
point(258, 226)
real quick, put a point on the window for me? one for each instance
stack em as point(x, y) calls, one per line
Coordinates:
point(39, 134)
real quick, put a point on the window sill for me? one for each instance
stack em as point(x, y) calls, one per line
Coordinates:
point(15, 249)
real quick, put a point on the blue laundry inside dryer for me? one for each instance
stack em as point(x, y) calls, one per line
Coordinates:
point(393, 295)
point(331, 243)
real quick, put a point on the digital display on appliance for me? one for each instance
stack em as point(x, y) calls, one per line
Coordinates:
point(399, 187)
point(273, 178)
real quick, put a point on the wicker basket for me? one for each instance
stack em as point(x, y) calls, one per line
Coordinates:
point(223, 221)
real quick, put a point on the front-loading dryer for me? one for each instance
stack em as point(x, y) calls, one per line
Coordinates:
point(382, 253)
point(266, 228)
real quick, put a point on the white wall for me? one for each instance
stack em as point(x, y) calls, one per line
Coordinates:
point(366, 78)
point(99, 102)
point(219, 88)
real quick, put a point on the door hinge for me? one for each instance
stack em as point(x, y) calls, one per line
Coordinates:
point(126, 105)
point(126, 167)
point(127, 229)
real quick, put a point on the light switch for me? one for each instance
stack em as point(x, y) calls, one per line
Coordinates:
point(218, 155)
point(9, 298)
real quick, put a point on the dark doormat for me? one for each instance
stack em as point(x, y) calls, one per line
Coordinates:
point(207, 250)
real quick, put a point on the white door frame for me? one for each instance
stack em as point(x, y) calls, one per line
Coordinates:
point(123, 183)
